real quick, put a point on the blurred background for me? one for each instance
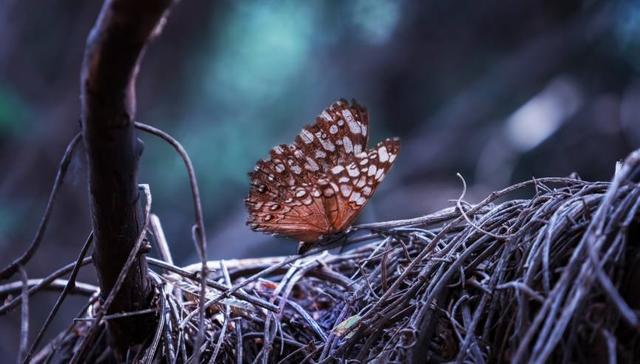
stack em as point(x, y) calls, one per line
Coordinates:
point(498, 91)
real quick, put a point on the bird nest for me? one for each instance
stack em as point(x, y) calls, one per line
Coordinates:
point(548, 278)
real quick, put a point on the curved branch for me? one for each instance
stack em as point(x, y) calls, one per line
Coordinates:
point(113, 52)
point(35, 243)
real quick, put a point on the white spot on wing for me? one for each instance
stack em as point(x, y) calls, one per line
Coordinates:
point(352, 169)
point(312, 165)
point(333, 129)
point(337, 169)
point(380, 175)
point(307, 136)
point(348, 146)
point(372, 170)
point(345, 190)
point(348, 116)
point(325, 115)
point(383, 155)
point(357, 149)
point(354, 126)
point(320, 153)
point(326, 144)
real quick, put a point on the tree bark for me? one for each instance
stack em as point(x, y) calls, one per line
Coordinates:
point(113, 52)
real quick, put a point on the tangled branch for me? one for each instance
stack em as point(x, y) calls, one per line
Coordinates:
point(549, 278)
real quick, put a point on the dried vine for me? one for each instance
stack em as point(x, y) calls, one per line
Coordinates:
point(549, 278)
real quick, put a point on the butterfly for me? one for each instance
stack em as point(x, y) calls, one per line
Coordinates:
point(315, 187)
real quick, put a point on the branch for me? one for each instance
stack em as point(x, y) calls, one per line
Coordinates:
point(37, 239)
point(112, 57)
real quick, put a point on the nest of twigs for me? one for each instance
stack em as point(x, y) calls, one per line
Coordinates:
point(550, 278)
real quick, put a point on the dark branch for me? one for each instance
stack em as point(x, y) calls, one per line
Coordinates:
point(112, 57)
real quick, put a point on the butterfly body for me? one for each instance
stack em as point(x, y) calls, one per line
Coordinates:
point(315, 187)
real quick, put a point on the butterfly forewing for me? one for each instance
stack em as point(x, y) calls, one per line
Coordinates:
point(339, 132)
point(317, 185)
point(356, 182)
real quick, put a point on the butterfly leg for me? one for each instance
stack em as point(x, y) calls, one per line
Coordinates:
point(327, 242)
point(305, 246)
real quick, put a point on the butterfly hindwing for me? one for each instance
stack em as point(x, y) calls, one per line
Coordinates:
point(283, 199)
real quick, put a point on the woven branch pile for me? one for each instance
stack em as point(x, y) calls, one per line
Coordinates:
point(549, 278)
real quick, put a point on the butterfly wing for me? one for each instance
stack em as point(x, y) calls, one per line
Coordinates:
point(355, 183)
point(338, 134)
point(284, 199)
point(301, 191)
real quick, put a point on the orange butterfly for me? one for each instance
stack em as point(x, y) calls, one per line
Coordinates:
point(317, 186)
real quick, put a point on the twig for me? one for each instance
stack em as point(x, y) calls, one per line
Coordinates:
point(224, 291)
point(151, 350)
point(201, 240)
point(43, 283)
point(239, 343)
point(225, 321)
point(253, 278)
point(161, 239)
point(80, 288)
point(24, 316)
point(70, 285)
point(431, 219)
point(464, 214)
point(35, 243)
